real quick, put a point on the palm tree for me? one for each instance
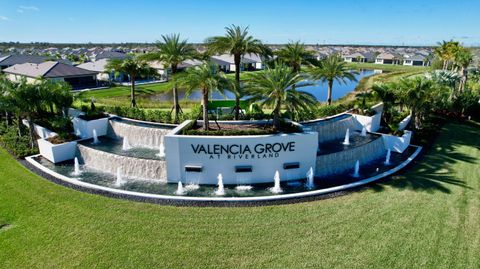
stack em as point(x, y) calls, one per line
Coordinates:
point(172, 52)
point(207, 78)
point(295, 55)
point(133, 67)
point(276, 87)
point(331, 69)
point(463, 58)
point(446, 52)
point(416, 93)
point(236, 42)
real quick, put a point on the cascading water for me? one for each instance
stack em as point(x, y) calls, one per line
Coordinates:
point(139, 136)
point(126, 145)
point(347, 137)
point(220, 191)
point(364, 132)
point(242, 188)
point(387, 157)
point(356, 172)
point(310, 179)
point(276, 187)
point(95, 137)
point(333, 129)
point(76, 170)
point(180, 189)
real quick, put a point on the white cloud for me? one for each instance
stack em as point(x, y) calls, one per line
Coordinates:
point(22, 9)
point(3, 18)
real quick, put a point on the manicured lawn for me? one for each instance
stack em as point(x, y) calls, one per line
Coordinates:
point(428, 217)
point(387, 67)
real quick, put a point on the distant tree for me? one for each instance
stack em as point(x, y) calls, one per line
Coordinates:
point(331, 69)
point(295, 55)
point(172, 52)
point(134, 68)
point(236, 42)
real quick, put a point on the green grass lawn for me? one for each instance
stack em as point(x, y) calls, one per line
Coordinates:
point(388, 67)
point(428, 217)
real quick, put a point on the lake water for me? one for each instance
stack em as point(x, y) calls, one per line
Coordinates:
point(319, 90)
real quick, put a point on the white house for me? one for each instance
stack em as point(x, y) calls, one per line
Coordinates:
point(226, 62)
point(415, 60)
point(359, 57)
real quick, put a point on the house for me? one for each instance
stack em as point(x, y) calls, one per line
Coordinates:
point(163, 70)
point(387, 58)
point(78, 78)
point(226, 63)
point(416, 60)
point(110, 55)
point(13, 59)
point(103, 74)
point(359, 57)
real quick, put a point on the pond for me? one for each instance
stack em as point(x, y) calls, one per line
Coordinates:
point(319, 91)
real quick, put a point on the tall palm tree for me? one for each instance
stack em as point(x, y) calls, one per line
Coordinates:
point(276, 87)
point(236, 42)
point(172, 51)
point(331, 69)
point(133, 67)
point(463, 58)
point(207, 78)
point(295, 55)
point(446, 51)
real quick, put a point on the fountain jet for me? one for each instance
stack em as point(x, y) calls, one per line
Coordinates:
point(276, 187)
point(119, 182)
point(310, 178)
point(387, 157)
point(364, 132)
point(221, 190)
point(126, 145)
point(180, 189)
point(76, 171)
point(346, 142)
point(161, 152)
point(356, 172)
point(95, 137)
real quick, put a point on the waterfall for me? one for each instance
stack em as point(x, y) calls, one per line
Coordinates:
point(132, 167)
point(340, 162)
point(333, 129)
point(138, 136)
point(161, 151)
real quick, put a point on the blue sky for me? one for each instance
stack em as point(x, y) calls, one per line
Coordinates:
point(273, 21)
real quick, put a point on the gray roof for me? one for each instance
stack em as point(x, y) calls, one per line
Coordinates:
point(48, 69)
point(416, 57)
point(111, 55)
point(9, 60)
point(97, 66)
point(225, 59)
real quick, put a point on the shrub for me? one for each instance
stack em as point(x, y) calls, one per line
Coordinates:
point(19, 146)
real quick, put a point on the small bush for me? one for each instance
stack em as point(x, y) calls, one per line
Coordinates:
point(19, 146)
